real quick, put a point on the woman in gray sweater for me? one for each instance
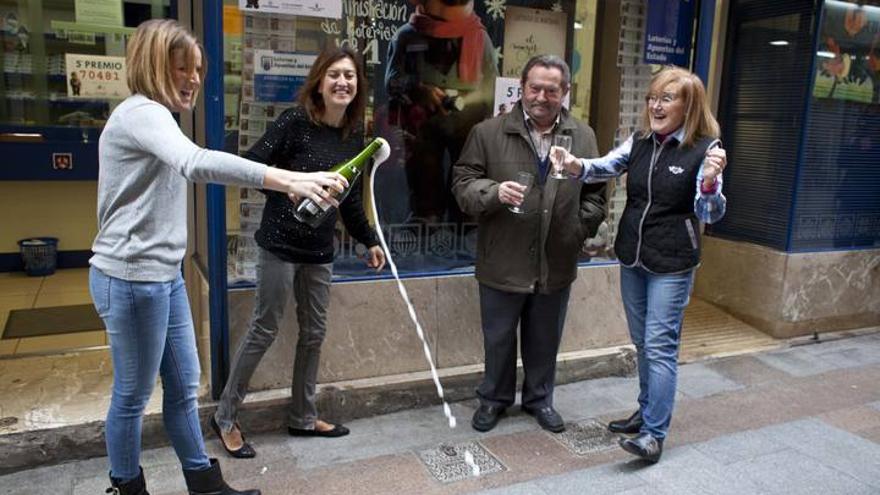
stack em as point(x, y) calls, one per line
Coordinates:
point(135, 280)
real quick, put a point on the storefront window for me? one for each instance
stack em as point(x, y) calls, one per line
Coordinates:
point(424, 98)
point(63, 64)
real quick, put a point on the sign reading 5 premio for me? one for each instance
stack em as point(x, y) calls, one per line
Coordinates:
point(668, 32)
point(96, 76)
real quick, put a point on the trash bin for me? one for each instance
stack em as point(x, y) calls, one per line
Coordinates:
point(40, 255)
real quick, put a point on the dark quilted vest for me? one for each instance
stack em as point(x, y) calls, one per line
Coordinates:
point(658, 226)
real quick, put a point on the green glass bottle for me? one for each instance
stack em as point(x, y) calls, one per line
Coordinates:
point(314, 214)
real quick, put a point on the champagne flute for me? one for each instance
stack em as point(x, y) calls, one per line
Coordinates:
point(560, 142)
point(525, 179)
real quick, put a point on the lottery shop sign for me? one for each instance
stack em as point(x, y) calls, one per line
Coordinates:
point(95, 76)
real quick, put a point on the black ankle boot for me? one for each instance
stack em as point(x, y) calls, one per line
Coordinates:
point(210, 482)
point(136, 486)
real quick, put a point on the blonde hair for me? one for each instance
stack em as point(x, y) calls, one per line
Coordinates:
point(698, 119)
point(149, 59)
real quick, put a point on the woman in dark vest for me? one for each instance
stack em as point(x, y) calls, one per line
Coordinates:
point(673, 168)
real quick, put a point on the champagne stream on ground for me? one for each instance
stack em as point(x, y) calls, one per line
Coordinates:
point(381, 155)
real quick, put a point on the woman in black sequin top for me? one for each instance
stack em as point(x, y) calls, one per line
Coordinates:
point(324, 128)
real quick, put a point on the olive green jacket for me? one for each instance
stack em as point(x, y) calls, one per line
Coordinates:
point(536, 251)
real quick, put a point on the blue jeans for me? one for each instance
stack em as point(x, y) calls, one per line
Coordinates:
point(151, 334)
point(654, 305)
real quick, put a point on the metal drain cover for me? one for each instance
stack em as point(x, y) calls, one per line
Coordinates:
point(586, 437)
point(446, 462)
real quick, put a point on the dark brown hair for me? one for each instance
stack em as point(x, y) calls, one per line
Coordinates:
point(309, 95)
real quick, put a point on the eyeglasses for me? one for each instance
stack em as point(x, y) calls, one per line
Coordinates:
point(664, 99)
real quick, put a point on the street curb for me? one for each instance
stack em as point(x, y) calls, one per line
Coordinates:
point(339, 401)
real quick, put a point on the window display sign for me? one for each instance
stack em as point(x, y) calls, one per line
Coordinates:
point(101, 12)
point(95, 76)
point(529, 32)
point(668, 32)
point(313, 8)
point(278, 75)
point(848, 63)
point(508, 91)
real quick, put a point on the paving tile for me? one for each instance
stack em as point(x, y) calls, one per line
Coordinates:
point(687, 470)
point(51, 479)
point(847, 356)
point(790, 471)
point(699, 380)
point(796, 363)
point(397, 474)
point(832, 447)
point(747, 370)
point(65, 298)
point(7, 346)
point(18, 283)
point(530, 488)
point(738, 447)
point(595, 398)
point(853, 419)
point(601, 480)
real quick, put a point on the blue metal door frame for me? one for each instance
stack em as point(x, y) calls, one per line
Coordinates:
point(703, 48)
point(216, 198)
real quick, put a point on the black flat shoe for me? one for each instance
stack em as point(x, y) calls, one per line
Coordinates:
point(244, 452)
point(547, 417)
point(645, 446)
point(337, 431)
point(629, 426)
point(486, 417)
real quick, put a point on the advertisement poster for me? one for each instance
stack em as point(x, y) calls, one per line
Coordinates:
point(102, 12)
point(95, 76)
point(528, 32)
point(848, 63)
point(278, 75)
point(313, 8)
point(668, 32)
point(508, 91)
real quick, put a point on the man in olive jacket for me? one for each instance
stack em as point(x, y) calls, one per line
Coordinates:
point(526, 262)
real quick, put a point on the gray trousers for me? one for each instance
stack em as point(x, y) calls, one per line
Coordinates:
point(310, 284)
point(540, 318)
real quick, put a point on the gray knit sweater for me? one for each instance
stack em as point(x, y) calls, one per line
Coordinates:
point(144, 163)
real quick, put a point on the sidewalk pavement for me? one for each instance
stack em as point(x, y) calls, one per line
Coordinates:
point(804, 419)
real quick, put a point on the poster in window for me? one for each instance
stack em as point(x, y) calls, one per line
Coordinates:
point(529, 32)
point(848, 58)
point(312, 8)
point(278, 76)
point(101, 12)
point(95, 76)
point(508, 91)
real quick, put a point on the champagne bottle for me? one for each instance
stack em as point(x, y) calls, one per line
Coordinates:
point(313, 214)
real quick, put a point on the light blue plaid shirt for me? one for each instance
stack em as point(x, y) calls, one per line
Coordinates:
point(709, 207)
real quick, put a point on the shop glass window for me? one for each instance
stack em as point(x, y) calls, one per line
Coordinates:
point(63, 72)
point(419, 101)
